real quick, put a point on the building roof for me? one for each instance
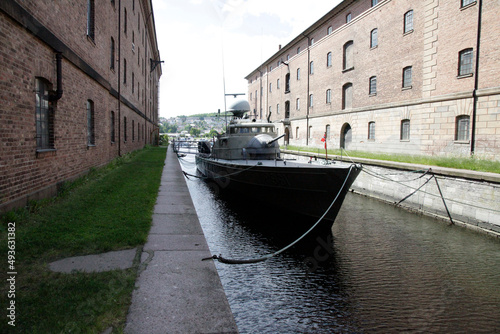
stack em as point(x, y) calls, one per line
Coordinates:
point(335, 11)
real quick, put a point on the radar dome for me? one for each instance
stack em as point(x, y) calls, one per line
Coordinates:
point(239, 108)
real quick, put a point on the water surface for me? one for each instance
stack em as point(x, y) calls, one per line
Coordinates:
point(384, 270)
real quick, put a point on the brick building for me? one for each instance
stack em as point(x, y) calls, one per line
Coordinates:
point(78, 88)
point(418, 77)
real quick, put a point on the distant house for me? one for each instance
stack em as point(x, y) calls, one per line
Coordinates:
point(79, 87)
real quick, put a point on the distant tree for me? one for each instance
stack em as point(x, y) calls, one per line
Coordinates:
point(194, 132)
point(212, 133)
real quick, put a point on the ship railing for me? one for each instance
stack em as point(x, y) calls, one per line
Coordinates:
point(271, 153)
point(185, 146)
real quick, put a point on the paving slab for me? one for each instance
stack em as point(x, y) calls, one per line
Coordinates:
point(177, 292)
point(123, 259)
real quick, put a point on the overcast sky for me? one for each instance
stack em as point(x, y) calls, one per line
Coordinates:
point(196, 37)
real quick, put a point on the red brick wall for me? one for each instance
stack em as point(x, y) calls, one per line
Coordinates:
point(441, 29)
point(26, 173)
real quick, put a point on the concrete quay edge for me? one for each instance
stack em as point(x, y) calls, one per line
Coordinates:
point(445, 171)
point(177, 292)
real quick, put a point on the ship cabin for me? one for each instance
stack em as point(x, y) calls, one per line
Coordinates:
point(247, 140)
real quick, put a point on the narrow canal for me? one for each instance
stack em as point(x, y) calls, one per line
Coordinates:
point(385, 271)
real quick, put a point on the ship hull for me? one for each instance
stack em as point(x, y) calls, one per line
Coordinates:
point(301, 188)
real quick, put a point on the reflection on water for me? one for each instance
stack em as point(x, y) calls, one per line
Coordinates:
point(385, 270)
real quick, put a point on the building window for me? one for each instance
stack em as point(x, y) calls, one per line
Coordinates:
point(371, 131)
point(133, 130)
point(465, 66)
point(112, 126)
point(90, 123)
point(112, 55)
point(407, 77)
point(310, 132)
point(124, 71)
point(297, 104)
point(278, 109)
point(44, 116)
point(329, 59)
point(327, 130)
point(348, 55)
point(270, 87)
point(405, 129)
point(287, 83)
point(125, 129)
point(329, 30)
point(408, 21)
point(297, 133)
point(374, 38)
point(374, 3)
point(462, 128)
point(311, 67)
point(372, 90)
point(133, 83)
point(467, 2)
point(347, 96)
point(270, 110)
point(91, 19)
point(125, 20)
point(298, 50)
point(298, 74)
point(328, 96)
point(278, 84)
point(310, 100)
point(348, 18)
point(311, 41)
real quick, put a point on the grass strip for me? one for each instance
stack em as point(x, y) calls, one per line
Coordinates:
point(108, 209)
point(469, 163)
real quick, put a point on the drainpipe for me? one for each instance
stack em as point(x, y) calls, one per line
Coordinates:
point(308, 69)
point(119, 78)
point(476, 81)
point(59, 90)
point(260, 95)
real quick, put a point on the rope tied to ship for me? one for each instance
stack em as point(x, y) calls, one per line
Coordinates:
point(222, 259)
point(219, 176)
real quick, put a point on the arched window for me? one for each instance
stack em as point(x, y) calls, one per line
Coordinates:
point(311, 67)
point(408, 20)
point(405, 129)
point(44, 116)
point(329, 59)
point(328, 96)
point(407, 77)
point(90, 123)
point(348, 55)
point(374, 38)
point(371, 131)
point(91, 19)
point(112, 126)
point(112, 56)
point(372, 90)
point(124, 71)
point(347, 96)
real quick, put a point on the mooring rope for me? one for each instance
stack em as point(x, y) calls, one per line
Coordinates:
point(220, 176)
point(222, 259)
